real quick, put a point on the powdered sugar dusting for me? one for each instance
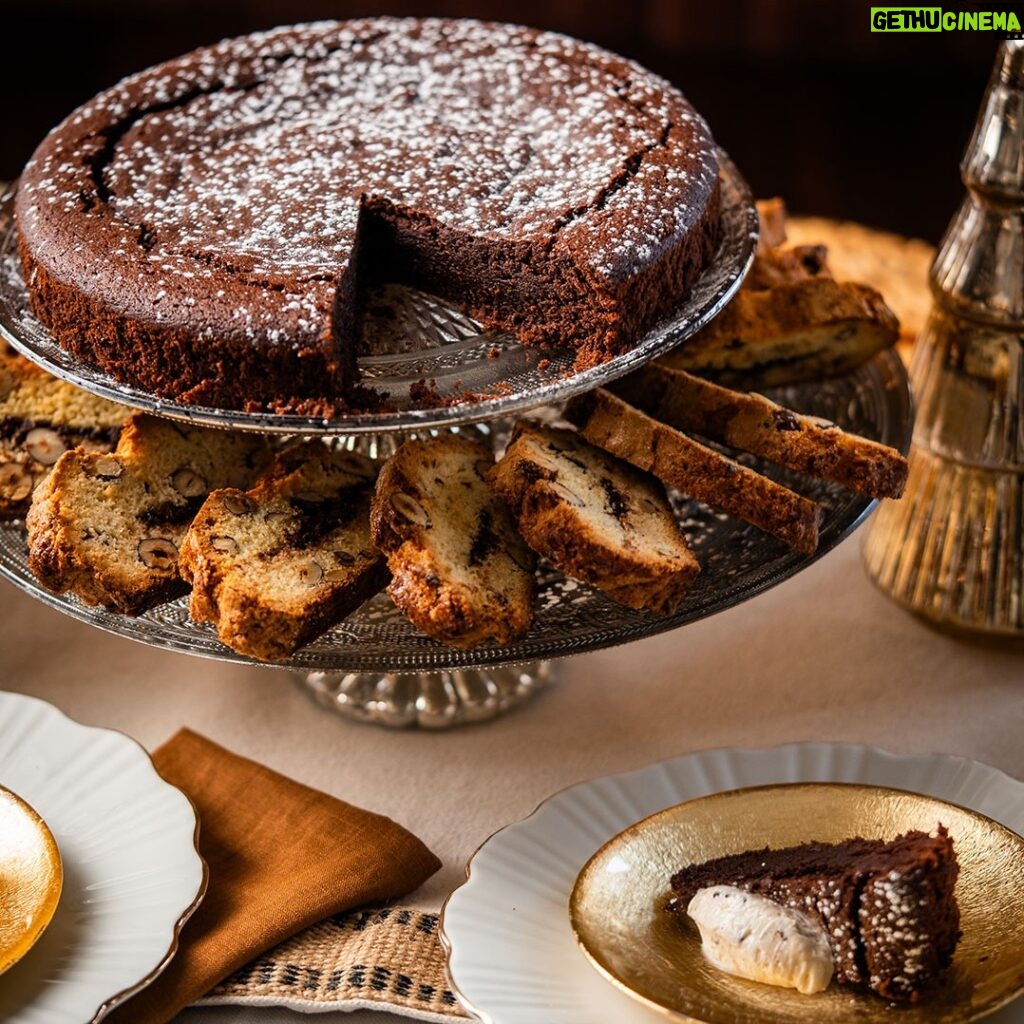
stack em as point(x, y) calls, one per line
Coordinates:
point(898, 915)
point(255, 155)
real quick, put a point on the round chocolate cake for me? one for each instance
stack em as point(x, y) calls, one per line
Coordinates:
point(204, 229)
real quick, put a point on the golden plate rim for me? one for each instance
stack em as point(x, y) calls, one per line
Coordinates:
point(10, 955)
point(1011, 993)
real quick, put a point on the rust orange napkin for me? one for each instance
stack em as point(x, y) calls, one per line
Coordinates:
point(281, 857)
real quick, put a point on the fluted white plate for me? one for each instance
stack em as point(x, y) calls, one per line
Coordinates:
point(511, 951)
point(132, 872)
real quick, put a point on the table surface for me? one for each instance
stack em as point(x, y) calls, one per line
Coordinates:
point(823, 656)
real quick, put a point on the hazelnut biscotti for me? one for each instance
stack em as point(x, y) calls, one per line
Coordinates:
point(274, 567)
point(695, 469)
point(107, 526)
point(460, 570)
point(595, 518)
point(42, 417)
point(791, 320)
point(753, 423)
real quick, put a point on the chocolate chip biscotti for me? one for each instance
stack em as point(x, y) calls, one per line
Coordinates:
point(460, 570)
point(697, 470)
point(595, 518)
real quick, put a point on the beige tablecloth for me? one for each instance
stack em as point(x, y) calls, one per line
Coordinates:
point(823, 656)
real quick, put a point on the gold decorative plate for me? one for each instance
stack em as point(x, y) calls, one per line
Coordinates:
point(616, 905)
point(31, 877)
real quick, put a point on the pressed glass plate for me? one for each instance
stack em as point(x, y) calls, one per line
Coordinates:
point(459, 372)
point(737, 560)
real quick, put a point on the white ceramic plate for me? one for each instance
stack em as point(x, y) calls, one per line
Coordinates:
point(132, 873)
point(512, 954)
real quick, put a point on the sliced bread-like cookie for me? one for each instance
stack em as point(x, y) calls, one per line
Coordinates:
point(695, 469)
point(787, 265)
point(274, 567)
point(460, 570)
point(595, 518)
point(897, 266)
point(799, 330)
point(753, 423)
point(42, 417)
point(107, 526)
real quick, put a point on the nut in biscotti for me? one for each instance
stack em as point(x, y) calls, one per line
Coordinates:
point(40, 419)
point(460, 570)
point(107, 526)
point(595, 518)
point(274, 567)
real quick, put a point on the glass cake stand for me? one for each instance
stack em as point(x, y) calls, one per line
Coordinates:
point(411, 338)
point(375, 666)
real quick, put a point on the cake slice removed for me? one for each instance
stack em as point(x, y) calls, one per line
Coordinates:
point(460, 570)
point(107, 526)
point(595, 518)
point(887, 908)
point(274, 567)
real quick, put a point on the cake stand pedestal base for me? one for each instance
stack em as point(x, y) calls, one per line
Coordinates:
point(428, 700)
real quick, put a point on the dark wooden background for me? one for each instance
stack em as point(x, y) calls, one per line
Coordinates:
point(811, 105)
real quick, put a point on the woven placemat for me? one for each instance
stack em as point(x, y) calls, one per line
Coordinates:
point(386, 958)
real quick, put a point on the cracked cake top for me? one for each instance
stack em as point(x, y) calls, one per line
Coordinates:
point(252, 162)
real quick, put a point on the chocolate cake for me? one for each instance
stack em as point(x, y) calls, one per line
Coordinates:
point(888, 908)
point(203, 230)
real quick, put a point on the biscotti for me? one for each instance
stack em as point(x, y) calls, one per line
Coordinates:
point(799, 330)
point(774, 263)
point(108, 526)
point(595, 518)
point(275, 566)
point(755, 424)
point(791, 320)
point(787, 266)
point(225, 209)
point(460, 571)
point(42, 417)
point(695, 469)
point(898, 267)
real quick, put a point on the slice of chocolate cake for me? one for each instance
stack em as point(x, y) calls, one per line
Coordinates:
point(887, 907)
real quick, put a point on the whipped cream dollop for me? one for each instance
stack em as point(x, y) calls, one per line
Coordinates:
point(753, 937)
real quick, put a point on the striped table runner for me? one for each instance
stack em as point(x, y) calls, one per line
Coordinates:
point(384, 958)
